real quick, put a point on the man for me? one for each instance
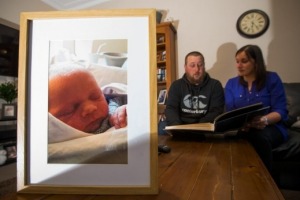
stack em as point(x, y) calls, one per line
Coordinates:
point(196, 97)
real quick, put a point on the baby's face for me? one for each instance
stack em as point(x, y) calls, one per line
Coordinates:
point(78, 101)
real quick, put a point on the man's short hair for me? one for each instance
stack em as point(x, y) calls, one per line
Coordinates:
point(194, 53)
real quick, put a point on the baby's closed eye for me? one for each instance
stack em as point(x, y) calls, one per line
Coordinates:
point(96, 95)
point(67, 110)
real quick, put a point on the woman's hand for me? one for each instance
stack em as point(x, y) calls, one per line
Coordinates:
point(119, 118)
point(259, 122)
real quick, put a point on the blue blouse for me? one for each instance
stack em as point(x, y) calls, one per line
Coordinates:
point(272, 94)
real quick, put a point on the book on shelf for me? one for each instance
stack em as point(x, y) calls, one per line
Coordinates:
point(161, 74)
point(231, 120)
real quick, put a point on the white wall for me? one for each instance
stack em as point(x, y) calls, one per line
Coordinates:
point(209, 26)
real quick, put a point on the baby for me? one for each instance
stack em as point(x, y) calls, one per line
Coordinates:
point(76, 99)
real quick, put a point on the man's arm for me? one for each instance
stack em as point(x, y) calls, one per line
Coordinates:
point(173, 107)
point(216, 105)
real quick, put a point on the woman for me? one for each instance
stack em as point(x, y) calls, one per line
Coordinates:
point(252, 85)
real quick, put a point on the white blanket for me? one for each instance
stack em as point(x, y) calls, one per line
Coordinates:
point(69, 145)
point(106, 148)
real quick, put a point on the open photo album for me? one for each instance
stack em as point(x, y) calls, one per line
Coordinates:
point(227, 121)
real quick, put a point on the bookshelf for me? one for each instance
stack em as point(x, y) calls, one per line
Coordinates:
point(166, 55)
point(8, 137)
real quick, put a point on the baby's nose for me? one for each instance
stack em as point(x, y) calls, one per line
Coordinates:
point(88, 109)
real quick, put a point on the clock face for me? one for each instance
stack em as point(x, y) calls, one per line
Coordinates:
point(253, 23)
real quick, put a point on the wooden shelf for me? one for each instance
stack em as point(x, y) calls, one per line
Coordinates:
point(166, 55)
point(8, 137)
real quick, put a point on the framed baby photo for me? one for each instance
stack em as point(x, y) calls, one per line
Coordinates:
point(81, 129)
point(9, 111)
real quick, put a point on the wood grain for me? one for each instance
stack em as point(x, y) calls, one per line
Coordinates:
point(219, 169)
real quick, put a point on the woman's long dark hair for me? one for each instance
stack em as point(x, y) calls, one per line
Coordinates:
point(255, 53)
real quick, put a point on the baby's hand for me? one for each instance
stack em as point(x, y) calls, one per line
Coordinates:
point(119, 118)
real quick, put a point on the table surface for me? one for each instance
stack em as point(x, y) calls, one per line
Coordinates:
point(214, 168)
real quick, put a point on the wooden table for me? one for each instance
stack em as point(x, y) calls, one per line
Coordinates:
point(215, 168)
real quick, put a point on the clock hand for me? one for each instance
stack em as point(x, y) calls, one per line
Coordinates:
point(252, 25)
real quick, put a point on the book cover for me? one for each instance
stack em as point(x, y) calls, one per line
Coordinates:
point(226, 121)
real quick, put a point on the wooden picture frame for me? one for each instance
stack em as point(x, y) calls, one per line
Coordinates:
point(9, 111)
point(34, 172)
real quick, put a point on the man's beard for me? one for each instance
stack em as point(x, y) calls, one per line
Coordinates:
point(195, 79)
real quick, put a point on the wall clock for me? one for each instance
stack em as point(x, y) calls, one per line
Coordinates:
point(253, 23)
